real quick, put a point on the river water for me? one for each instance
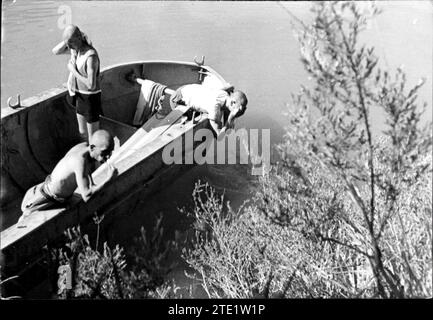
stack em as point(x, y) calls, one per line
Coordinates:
point(251, 44)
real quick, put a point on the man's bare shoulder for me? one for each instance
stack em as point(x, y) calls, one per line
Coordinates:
point(77, 155)
point(74, 160)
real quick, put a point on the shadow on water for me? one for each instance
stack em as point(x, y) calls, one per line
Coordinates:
point(263, 121)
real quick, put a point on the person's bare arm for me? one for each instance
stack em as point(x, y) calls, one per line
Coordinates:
point(61, 48)
point(86, 186)
point(221, 128)
point(217, 128)
point(92, 65)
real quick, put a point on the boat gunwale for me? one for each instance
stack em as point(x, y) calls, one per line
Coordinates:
point(55, 92)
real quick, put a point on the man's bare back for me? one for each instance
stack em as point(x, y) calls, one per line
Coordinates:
point(63, 178)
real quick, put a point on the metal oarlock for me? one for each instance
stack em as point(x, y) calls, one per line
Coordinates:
point(131, 77)
point(201, 62)
point(17, 105)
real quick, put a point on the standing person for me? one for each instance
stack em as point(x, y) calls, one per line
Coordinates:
point(84, 82)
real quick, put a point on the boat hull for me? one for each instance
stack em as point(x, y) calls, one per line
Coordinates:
point(35, 137)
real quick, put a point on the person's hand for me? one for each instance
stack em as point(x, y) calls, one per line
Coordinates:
point(231, 120)
point(71, 67)
point(111, 171)
point(230, 125)
point(116, 143)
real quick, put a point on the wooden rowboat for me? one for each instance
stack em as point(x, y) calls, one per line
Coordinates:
point(37, 133)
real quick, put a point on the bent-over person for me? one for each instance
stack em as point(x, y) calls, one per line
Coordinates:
point(221, 106)
point(73, 171)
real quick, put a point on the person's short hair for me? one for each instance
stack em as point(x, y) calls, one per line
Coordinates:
point(242, 98)
point(72, 30)
point(102, 137)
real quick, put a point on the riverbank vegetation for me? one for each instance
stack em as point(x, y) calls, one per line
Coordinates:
point(346, 213)
point(112, 273)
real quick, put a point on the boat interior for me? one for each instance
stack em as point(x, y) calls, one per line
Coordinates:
point(35, 138)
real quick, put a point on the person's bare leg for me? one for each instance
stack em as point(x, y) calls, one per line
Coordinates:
point(82, 127)
point(91, 128)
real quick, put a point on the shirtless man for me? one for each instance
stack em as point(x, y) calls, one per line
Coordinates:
point(221, 106)
point(73, 170)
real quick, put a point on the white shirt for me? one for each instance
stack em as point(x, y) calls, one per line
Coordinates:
point(204, 99)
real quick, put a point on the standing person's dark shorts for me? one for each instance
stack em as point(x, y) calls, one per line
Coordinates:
point(88, 105)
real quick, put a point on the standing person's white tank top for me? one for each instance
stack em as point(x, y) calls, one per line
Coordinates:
point(74, 84)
